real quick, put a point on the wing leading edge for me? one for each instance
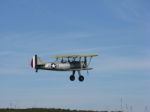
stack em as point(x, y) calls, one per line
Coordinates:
point(74, 56)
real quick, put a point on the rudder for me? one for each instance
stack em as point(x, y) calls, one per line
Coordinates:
point(34, 62)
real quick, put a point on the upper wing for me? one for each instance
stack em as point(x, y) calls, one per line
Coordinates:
point(74, 56)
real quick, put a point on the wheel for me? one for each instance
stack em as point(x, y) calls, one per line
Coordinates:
point(81, 78)
point(72, 77)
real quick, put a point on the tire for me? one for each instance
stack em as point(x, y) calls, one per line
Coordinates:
point(72, 77)
point(81, 78)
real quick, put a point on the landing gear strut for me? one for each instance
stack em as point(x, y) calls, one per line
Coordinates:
point(81, 78)
point(36, 70)
point(72, 77)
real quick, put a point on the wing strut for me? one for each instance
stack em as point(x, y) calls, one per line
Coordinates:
point(89, 61)
point(85, 61)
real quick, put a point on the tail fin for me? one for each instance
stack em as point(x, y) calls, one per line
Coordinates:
point(36, 61)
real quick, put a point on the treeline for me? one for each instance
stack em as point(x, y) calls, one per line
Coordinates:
point(43, 110)
point(48, 110)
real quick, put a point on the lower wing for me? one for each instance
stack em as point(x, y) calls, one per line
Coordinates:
point(76, 69)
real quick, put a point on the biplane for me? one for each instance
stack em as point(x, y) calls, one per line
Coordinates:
point(71, 63)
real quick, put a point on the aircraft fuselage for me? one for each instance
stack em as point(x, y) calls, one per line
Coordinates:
point(62, 66)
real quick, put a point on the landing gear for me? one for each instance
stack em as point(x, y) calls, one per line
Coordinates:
point(72, 77)
point(81, 78)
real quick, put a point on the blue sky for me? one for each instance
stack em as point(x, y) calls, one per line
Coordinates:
point(118, 31)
